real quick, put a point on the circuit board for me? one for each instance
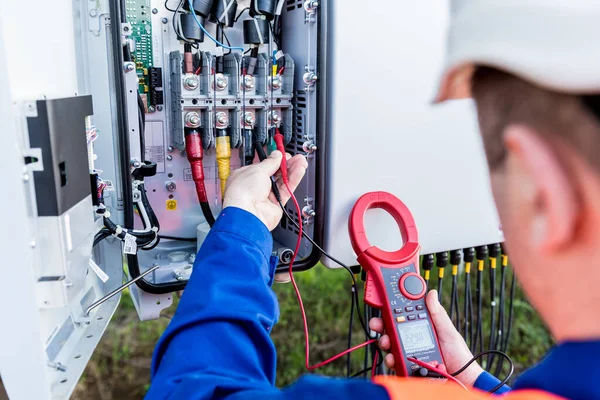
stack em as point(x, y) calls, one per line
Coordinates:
point(139, 13)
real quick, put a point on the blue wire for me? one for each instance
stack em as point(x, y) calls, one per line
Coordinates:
point(208, 34)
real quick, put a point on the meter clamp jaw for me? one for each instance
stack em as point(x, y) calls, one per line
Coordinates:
point(395, 286)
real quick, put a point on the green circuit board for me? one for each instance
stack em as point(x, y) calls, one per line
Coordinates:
point(139, 14)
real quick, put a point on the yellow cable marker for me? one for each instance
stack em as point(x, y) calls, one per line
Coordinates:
point(480, 265)
point(467, 268)
point(223, 160)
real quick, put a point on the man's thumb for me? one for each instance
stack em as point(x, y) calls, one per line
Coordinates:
point(441, 320)
point(272, 164)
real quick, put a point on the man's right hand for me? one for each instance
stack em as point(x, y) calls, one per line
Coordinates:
point(454, 348)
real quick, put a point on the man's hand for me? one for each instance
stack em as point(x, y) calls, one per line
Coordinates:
point(455, 350)
point(249, 188)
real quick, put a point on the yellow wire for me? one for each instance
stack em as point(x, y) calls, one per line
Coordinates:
point(223, 160)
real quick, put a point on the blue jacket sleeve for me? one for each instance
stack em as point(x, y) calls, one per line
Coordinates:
point(486, 382)
point(218, 344)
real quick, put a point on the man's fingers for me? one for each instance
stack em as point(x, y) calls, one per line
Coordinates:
point(376, 324)
point(389, 360)
point(296, 170)
point(271, 164)
point(443, 325)
point(384, 343)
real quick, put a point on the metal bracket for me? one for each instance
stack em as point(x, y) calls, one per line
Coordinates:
point(310, 9)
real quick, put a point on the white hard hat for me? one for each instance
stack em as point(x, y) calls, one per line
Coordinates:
point(552, 43)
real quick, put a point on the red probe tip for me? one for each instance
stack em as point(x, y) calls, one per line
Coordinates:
point(281, 147)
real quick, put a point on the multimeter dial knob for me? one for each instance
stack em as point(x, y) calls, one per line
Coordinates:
point(412, 286)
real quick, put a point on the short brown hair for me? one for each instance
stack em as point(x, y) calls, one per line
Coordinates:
point(503, 99)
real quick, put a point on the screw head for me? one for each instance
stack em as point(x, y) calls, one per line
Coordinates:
point(169, 157)
point(155, 11)
point(249, 119)
point(220, 82)
point(129, 67)
point(171, 149)
point(26, 178)
point(164, 20)
point(248, 82)
point(190, 82)
point(275, 117)
point(192, 120)
point(171, 186)
point(93, 13)
point(159, 108)
point(151, 109)
point(136, 163)
point(222, 118)
point(276, 82)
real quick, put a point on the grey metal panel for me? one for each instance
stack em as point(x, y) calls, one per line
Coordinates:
point(59, 130)
point(384, 133)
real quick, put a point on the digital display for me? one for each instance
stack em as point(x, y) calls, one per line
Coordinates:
point(416, 337)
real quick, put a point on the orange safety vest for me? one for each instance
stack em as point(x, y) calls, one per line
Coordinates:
point(405, 388)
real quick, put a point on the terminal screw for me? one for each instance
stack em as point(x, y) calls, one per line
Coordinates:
point(276, 82)
point(171, 186)
point(220, 82)
point(248, 83)
point(275, 118)
point(222, 120)
point(190, 82)
point(129, 67)
point(192, 119)
point(309, 147)
point(249, 119)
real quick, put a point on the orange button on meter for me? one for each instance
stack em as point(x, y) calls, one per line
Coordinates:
point(400, 319)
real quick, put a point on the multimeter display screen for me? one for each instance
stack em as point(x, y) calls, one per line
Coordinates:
point(416, 337)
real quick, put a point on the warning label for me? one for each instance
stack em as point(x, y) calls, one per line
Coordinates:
point(187, 174)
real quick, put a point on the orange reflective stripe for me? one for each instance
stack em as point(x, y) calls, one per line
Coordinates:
point(404, 388)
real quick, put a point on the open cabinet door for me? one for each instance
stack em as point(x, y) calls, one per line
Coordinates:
point(50, 274)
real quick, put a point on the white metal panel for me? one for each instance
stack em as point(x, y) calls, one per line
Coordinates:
point(40, 49)
point(386, 134)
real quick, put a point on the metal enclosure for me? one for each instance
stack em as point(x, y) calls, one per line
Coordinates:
point(384, 133)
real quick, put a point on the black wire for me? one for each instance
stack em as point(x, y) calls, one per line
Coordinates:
point(492, 341)
point(468, 326)
point(510, 313)
point(501, 317)
point(168, 9)
point(177, 33)
point(454, 301)
point(100, 236)
point(178, 238)
point(228, 43)
point(478, 329)
point(483, 353)
point(350, 328)
point(240, 14)
point(335, 260)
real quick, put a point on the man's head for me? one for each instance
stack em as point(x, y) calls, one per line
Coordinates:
point(530, 69)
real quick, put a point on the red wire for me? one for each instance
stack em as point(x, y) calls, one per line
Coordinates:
point(302, 311)
point(374, 365)
point(437, 370)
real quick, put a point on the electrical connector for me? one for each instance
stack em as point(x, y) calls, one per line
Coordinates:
point(455, 259)
point(427, 265)
point(441, 262)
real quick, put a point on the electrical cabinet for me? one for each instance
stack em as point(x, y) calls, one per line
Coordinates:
point(106, 122)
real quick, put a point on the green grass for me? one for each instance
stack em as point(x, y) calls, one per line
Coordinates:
point(121, 365)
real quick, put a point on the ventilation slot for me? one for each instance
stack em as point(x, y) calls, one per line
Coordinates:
point(292, 5)
point(299, 127)
point(288, 226)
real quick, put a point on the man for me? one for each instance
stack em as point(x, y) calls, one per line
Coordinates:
point(532, 67)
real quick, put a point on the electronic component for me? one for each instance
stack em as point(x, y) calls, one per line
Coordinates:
point(201, 7)
point(155, 86)
point(190, 29)
point(256, 31)
point(223, 12)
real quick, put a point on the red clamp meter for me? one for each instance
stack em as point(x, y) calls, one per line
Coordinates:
point(394, 285)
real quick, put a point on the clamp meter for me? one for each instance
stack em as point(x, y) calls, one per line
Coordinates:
point(395, 286)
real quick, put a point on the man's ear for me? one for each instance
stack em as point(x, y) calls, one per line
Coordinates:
point(548, 190)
